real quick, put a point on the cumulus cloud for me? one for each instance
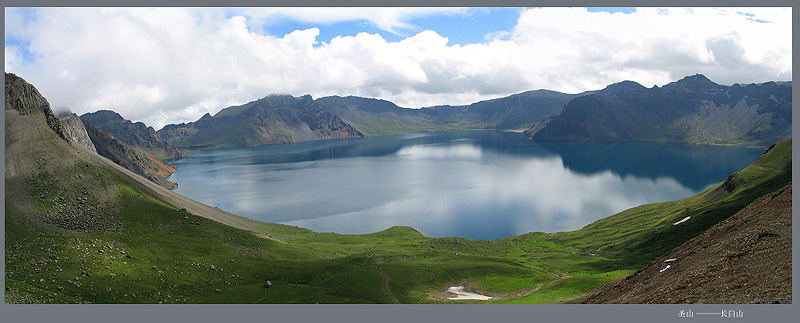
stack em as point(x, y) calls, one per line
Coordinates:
point(394, 20)
point(170, 65)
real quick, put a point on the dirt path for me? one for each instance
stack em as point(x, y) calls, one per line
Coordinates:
point(260, 298)
point(386, 288)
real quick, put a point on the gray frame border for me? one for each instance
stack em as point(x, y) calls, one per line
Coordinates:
point(389, 313)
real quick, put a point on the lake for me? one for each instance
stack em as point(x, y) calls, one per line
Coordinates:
point(470, 184)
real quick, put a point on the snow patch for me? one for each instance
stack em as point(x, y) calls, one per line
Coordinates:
point(682, 221)
point(461, 294)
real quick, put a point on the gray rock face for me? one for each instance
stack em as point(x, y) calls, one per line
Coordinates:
point(75, 132)
point(25, 99)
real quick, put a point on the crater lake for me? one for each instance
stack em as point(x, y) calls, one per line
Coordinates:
point(470, 184)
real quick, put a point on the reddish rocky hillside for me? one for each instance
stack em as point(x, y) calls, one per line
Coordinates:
point(744, 259)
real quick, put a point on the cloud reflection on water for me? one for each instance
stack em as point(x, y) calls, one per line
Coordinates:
point(503, 198)
point(480, 184)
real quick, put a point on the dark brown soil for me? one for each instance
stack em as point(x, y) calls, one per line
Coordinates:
point(744, 259)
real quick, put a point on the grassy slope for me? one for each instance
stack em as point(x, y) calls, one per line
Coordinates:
point(647, 231)
point(161, 254)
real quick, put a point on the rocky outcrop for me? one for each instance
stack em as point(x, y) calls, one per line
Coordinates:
point(26, 99)
point(326, 125)
point(145, 165)
point(75, 132)
point(134, 134)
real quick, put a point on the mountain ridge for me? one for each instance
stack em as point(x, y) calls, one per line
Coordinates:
point(274, 119)
point(693, 109)
point(134, 134)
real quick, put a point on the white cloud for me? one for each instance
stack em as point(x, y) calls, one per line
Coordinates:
point(170, 65)
point(393, 20)
point(12, 58)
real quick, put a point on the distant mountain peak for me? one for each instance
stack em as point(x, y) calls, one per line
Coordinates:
point(285, 99)
point(693, 82)
point(103, 117)
point(619, 87)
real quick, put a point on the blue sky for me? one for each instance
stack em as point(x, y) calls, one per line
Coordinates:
point(171, 65)
point(460, 28)
point(470, 27)
point(612, 9)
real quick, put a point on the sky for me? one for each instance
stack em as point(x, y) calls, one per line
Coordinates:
point(172, 65)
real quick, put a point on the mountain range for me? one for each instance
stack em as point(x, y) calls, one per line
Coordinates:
point(693, 109)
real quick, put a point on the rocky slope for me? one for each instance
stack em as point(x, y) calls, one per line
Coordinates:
point(275, 119)
point(693, 109)
point(75, 132)
point(55, 184)
point(130, 158)
point(22, 97)
point(137, 135)
point(134, 146)
point(744, 259)
point(44, 179)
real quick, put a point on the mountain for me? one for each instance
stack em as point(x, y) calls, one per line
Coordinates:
point(130, 158)
point(75, 132)
point(693, 109)
point(137, 135)
point(744, 259)
point(374, 117)
point(275, 119)
point(518, 111)
point(380, 117)
point(22, 97)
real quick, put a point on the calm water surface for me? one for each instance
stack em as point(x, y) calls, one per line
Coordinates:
point(474, 184)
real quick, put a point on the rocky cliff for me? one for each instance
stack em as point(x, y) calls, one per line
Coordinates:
point(143, 164)
point(134, 134)
point(75, 132)
point(26, 99)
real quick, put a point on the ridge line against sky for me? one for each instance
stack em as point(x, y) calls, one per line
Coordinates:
point(172, 65)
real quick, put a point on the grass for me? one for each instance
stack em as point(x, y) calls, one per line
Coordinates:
point(646, 232)
point(163, 255)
